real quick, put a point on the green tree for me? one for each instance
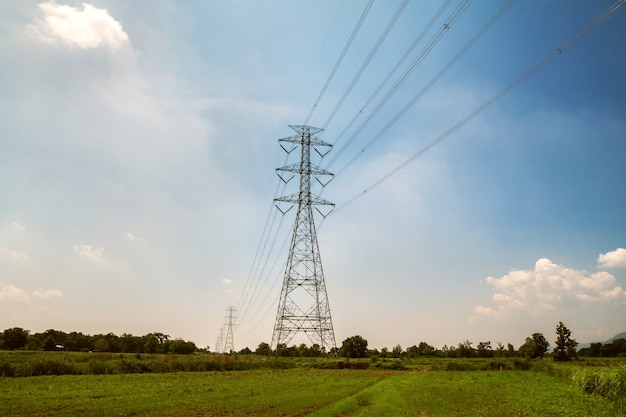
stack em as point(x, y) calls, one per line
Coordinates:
point(179, 346)
point(354, 347)
point(315, 351)
point(499, 352)
point(76, 342)
point(263, 349)
point(425, 349)
point(49, 344)
point(466, 350)
point(100, 344)
point(14, 338)
point(151, 343)
point(484, 349)
point(535, 346)
point(565, 348)
point(510, 349)
point(396, 352)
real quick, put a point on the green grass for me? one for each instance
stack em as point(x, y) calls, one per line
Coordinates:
point(246, 393)
point(29, 363)
point(163, 385)
point(606, 382)
point(298, 392)
point(472, 393)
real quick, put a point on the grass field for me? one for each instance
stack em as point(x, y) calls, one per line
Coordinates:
point(426, 389)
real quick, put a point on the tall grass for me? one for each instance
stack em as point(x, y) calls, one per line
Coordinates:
point(50, 363)
point(606, 382)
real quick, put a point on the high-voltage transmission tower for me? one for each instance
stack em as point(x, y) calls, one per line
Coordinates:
point(219, 342)
point(229, 343)
point(303, 306)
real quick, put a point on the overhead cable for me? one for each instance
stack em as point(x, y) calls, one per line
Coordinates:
point(433, 81)
point(607, 14)
point(405, 75)
point(368, 59)
point(340, 59)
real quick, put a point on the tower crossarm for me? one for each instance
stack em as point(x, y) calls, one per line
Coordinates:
point(310, 169)
point(311, 200)
point(298, 140)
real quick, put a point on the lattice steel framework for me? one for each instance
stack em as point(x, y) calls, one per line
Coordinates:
point(303, 306)
point(229, 343)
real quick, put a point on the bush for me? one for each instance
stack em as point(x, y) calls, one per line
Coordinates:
point(543, 366)
point(396, 365)
point(6, 369)
point(608, 383)
point(460, 366)
point(497, 366)
point(99, 367)
point(522, 365)
point(52, 367)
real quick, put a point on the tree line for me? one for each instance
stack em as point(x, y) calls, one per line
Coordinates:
point(50, 340)
point(534, 346)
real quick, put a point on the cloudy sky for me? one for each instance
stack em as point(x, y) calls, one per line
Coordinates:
point(138, 147)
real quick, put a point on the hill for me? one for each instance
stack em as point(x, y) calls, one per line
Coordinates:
point(588, 344)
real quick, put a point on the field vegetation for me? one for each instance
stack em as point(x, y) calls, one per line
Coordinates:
point(68, 374)
point(98, 384)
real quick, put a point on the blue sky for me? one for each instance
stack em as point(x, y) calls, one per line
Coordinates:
point(138, 147)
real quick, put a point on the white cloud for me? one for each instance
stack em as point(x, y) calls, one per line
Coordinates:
point(547, 287)
point(613, 259)
point(89, 252)
point(17, 226)
point(11, 293)
point(18, 256)
point(132, 237)
point(226, 281)
point(87, 28)
point(47, 294)
point(14, 294)
point(13, 255)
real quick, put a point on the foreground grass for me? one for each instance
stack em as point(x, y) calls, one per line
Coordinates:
point(258, 393)
point(470, 394)
point(299, 392)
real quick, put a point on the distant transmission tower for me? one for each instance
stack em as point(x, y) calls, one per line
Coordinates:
point(303, 306)
point(219, 342)
point(229, 344)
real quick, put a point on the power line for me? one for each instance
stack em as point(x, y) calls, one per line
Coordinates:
point(416, 42)
point(368, 59)
point(263, 241)
point(433, 81)
point(254, 291)
point(407, 72)
point(340, 59)
point(253, 278)
point(607, 14)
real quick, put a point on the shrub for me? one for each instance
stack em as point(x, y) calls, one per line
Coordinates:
point(6, 369)
point(608, 383)
point(496, 366)
point(393, 365)
point(460, 366)
point(52, 367)
point(99, 367)
point(543, 366)
point(522, 365)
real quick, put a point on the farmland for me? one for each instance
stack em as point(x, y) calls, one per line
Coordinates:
point(316, 387)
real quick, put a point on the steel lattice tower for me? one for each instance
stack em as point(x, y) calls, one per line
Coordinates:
point(303, 306)
point(229, 343)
